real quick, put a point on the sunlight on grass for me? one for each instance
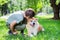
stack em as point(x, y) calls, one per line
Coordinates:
point(52, 30)
point(45, 16)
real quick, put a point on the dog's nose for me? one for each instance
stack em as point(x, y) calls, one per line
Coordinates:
point(33, 23)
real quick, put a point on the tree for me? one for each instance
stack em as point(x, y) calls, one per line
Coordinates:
point(35, 4)
point(56, 8)
point(4, 6)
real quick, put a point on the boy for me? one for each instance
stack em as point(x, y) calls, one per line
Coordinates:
point(17, 17)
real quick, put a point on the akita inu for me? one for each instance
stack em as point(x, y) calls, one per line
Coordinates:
point(33, 27)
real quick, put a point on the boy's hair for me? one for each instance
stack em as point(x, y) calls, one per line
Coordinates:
point(30, 12)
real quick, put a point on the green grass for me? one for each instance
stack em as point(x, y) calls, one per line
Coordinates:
point(52, 30)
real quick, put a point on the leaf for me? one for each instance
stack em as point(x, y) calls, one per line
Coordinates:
point(57, 2)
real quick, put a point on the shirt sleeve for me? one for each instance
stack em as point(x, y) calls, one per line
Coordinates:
point(19, 18)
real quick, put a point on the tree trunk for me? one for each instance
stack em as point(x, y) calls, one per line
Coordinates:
point(4, 9)
point(55, 9)
point(56, 12)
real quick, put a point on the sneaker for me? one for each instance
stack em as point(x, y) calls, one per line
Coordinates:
point(9, 32)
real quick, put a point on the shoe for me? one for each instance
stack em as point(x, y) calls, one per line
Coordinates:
point(9, 32)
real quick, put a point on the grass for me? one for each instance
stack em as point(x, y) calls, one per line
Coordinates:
point(52, 30)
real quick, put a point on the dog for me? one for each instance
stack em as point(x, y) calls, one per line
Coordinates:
point(33, 27)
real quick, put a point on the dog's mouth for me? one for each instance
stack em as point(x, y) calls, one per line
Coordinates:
point(32, 25)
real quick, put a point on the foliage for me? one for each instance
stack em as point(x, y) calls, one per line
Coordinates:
point(57, 2)
point(3, 2)
point(32, 4)
point(37, 5)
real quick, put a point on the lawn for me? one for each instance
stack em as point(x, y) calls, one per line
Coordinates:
point(52, 30)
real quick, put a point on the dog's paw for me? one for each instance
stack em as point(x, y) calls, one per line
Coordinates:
point(43, 29)
point(30, 35)
point(35, 33)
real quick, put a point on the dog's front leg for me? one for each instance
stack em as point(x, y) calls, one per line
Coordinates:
point(35, 33)
point(30, 34)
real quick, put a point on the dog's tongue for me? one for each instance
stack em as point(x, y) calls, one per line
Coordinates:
point(32, 25)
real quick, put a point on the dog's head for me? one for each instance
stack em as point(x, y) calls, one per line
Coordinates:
point(32, 21)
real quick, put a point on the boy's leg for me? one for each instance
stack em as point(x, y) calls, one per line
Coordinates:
point(22, 32)
point(9, 32)
point(12, 27)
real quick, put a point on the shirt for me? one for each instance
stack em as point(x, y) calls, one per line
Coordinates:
point(17, 16)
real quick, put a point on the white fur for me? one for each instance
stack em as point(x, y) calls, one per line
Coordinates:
point(33, 29)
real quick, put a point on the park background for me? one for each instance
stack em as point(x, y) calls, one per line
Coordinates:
point(47, 12)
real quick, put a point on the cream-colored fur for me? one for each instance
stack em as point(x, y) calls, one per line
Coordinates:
point(33, 29)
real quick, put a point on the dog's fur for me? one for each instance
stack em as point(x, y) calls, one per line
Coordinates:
point(33, 27)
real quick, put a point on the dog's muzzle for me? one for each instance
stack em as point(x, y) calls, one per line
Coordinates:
point(32, 24)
